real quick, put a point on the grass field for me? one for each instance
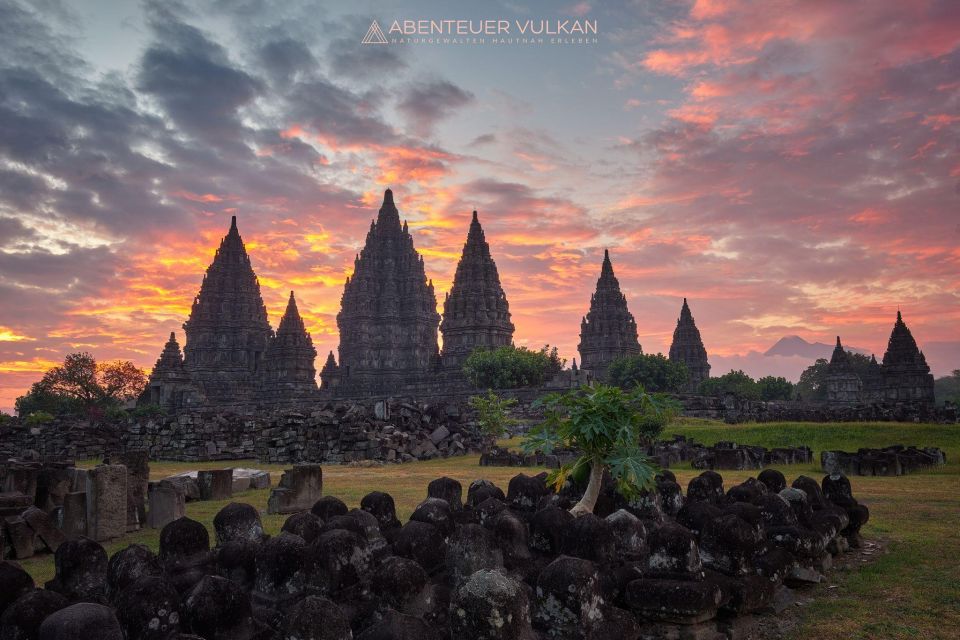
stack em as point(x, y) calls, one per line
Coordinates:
point(910, 591)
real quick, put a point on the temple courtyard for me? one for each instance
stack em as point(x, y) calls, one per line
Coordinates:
point(905, 583)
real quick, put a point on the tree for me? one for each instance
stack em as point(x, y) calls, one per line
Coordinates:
point(492, 413)
point(813, 381)
point(947, 388)
point(772, 388)
point(83, 384)
point(736, 382)
point(608, 426)
point(655, 373)
point(511, 367)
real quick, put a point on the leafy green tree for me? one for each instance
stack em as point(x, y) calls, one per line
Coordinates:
point(512, 367)
point(736, 382)
point(775, 388)
point(947, 388)
point(37, 418)
point(813, 381)
point(655, 373)
point(492, 413)
point(81, 383)
point(609, 427)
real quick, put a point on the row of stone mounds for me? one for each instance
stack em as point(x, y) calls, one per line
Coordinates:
point(895, 460)
point(44, 503)
point(391, 431)
point(730, 456)
point(512, 565)
point(502, 457)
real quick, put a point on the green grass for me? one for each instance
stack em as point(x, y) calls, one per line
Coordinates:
point(911, 591)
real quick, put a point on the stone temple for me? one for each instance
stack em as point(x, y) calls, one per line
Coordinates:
point(231, 353)
point(687, 347)
point(608, 331)
point(388, 314)
point(903, 378)
point(475, 312)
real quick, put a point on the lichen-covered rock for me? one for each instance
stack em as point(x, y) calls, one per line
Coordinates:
point(397, 581)
point(480, 490)
point(283, 569)
point(677, 601)
point(81, 571)
point(423, 543)
point(470, 549)
point(185, 552)
point(629, 535)
point(148, 609)
point(315, 618)
point(304, 524)
point(773, 480)
point(524, 492)
point(218, 609)
point(447, 489)
point(129, 564)
point(22, 618)
point(84, 620)
point(674, 553)
point(546, 529)
point(382, 507)
point(490, 606)
point(238, 521)
point(569, 598)
point(590, 538)
point(328, 507)
point(437, 512)
point(343, 561)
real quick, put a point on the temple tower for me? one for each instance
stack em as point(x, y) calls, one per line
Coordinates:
point(475, 312)
point(608, 331)
point(227, 332)
point(388, 314)
point(844, 386)
point(687, 347)
point(330, 373)
point(169, 385)
point(288, 366)
point(905, 374)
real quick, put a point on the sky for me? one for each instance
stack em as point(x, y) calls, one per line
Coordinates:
point(791, 167)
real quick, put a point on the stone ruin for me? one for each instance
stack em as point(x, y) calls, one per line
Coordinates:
point(490, 565)
point(44, 504)
point(890, 461)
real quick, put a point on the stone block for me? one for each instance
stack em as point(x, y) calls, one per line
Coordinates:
point(299, 488)
point(73, 521)
point(14, 503)
point(107, 502)
point(215, 484)
point(166, 504)
point(22, 537)
point(44, 527)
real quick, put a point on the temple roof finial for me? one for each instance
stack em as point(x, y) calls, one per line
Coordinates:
point(388, 197)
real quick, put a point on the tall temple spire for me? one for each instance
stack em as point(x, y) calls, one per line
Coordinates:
point(839, 357)
point(844, 385)
point(687, 347)
point(388, 317)
point(330, 374)
point(608, 331)
point(288, 366)
point(906, 374)
point(476, 312)
point(227, 331)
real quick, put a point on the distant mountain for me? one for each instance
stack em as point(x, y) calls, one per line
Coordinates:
point(790, 346)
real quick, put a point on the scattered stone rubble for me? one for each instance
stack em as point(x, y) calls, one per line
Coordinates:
point(44, 504)
point(501, 565)
point(890, 461)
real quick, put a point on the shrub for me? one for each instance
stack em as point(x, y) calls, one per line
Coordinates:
point(38, 418)
point(655, 373)
point(511, 367)
point(492, 413)
point(772, 388)
point(736, 382)
point(608, 426)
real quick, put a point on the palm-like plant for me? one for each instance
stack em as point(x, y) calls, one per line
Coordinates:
point(608, 426)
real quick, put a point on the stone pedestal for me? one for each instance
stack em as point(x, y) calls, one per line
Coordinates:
point(21, 536)
point(74, 518)
point(298, 490)
point(138, 477)
point(215, 484)
point(166, 505)
point(107, 502)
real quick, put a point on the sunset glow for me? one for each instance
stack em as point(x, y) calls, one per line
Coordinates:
point(790, 170)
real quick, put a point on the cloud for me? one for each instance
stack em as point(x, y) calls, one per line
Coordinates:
point(425, 103)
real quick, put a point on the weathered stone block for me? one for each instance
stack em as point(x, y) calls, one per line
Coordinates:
point(74, 516)
point(298, 490)
point(107, 502)
point(166, 505)
point(215, 484)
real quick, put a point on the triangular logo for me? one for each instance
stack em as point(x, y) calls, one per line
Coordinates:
point(374, 34)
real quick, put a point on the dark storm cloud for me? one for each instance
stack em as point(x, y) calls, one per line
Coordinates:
point(425, 103)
